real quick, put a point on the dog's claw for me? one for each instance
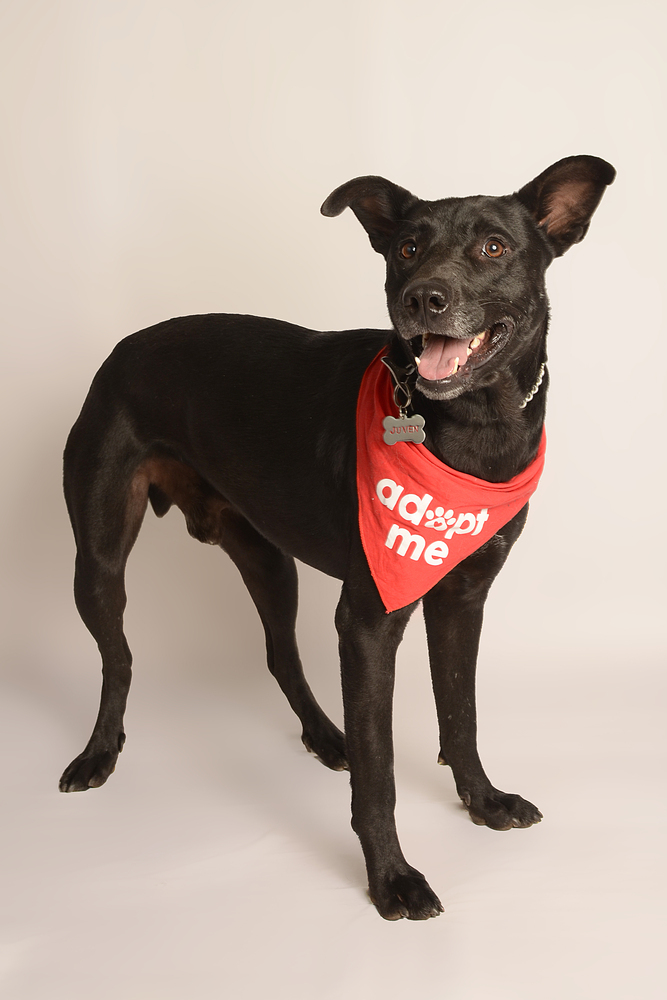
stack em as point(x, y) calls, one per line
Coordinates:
point(500, 810)
point(328, 746)
point(406, 896)
point(88, 771)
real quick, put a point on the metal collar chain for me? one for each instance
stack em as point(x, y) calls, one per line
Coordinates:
point(401, 387)
point(535, 389)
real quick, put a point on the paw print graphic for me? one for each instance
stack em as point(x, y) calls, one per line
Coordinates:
point(439, 519)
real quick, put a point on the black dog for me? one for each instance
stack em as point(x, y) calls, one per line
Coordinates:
point(248, 425)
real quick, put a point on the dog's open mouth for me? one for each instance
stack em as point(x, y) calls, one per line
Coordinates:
point(443, 357)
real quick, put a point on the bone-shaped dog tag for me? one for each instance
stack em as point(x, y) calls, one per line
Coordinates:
point(404, 428)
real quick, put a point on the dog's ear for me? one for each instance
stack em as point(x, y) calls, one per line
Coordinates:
point(377, 203)
point(563, 198)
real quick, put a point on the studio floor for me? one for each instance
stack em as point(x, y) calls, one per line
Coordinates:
point(218, 860)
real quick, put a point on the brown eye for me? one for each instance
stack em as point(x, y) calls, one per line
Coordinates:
point(408, 250)
point(494, 248)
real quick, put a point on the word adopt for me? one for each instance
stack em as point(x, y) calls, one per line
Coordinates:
point(414, 508)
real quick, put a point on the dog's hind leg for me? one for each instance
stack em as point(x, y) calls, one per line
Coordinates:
point(271, 578)
point(106, 497)
point(453, 612)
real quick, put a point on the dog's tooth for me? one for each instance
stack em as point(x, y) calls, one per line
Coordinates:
point(469, 351)
point(475, 342)
point(456, 366)
point(418, 361)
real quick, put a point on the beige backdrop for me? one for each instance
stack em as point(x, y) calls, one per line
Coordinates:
point(162, 157)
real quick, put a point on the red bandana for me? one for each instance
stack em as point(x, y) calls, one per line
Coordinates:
point(417, 517)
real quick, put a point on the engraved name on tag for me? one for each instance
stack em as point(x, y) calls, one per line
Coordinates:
point(404, 428)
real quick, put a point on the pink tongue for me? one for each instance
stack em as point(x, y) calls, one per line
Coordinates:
point(439, 356)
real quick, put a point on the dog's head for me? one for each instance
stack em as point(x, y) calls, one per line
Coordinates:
point(465, 276)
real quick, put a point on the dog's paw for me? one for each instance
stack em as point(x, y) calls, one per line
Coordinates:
point(500, 810)
point(327, 743)
point(88, 770)
point(407, 895)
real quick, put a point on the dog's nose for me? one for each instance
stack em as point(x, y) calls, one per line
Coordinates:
point(425, 299)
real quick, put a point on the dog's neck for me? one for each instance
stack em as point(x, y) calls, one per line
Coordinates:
point(492, 433)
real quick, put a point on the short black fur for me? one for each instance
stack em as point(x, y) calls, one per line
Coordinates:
point(202, 412)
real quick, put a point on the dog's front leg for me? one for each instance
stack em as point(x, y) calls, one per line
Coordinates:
point(368, 642)
point(453, 612)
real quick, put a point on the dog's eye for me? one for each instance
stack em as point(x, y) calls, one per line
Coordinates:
point(408, 250)
point(494, 248)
